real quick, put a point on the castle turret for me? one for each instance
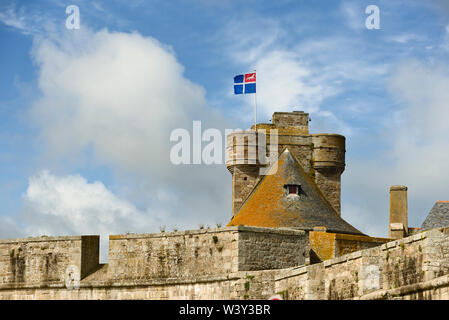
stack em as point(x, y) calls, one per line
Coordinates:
point(322, 156)
point(241, 161)
point(329, 164)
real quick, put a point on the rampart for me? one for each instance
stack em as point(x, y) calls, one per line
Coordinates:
point(44, 261)
point(198, 264)
point(226, 263)
point(416, 267)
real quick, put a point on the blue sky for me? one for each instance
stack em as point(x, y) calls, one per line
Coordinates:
point(88, 112)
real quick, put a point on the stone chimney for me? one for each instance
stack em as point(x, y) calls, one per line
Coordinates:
point(398, 226)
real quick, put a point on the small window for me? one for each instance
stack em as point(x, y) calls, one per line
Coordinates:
point(245, 178)
point(292, 189)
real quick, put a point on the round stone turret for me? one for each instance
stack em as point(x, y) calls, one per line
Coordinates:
point(242, 162)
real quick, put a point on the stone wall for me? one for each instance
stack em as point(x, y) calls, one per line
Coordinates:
point(44, 260)
point(204, 253)
point(266, 248)
point(395, 269)
point(175, 255)
point(416, 267)
point(224, 263)
point(239, 285)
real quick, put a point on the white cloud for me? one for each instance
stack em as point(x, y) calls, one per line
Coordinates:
point(10, 18)
point(26, 22)
point(284, 82)
point(122, 93)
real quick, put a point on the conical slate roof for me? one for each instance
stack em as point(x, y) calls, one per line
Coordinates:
point(268, 205)
point(438, 217)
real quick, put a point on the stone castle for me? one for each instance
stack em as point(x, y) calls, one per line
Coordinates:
point(286, 237)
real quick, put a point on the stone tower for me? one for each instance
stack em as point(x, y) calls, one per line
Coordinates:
point(322, 156)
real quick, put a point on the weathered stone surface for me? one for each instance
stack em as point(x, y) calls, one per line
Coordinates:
point(398, 225)
point(410, 268)
point(44, 260)
point(222, 263)
point(416, 267)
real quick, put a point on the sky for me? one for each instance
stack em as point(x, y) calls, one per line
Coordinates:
point(86, 114)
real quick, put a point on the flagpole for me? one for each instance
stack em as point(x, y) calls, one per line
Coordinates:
point(255, 105)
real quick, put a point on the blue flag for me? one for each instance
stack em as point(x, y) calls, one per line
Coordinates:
point(245, 83)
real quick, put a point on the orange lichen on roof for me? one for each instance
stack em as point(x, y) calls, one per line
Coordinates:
point(345, 243)
point(261, 202)
point(268, 205)
point(322, 244)
point(331, 245)
point(442, 200)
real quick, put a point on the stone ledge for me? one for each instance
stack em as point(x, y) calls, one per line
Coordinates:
point(45, 239)
point(407, 240)
point(39, 285)
point(171, 234)
point(354, 255)
point(291, 272)
point(281, 231)
point(327, 135)
point(338, 260)
point(124, 283)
